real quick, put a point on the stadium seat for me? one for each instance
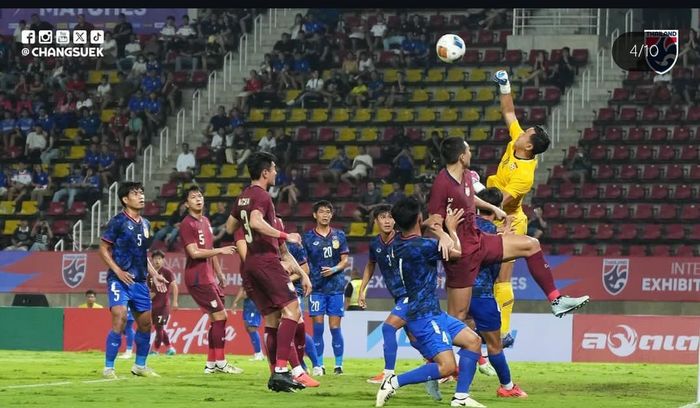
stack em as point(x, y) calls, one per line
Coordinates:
point(694, 173)
point(613, 250)
point(419, 96)
point(477, 133)
point(620, 153)
point(673, 231)
point(212, 190)
point(682, 193)
point(151, 209)
point(658, 134)
point(694, 233)
point(551, 210)
point(470, 115)
point(423, 115)
point(666, 153)
point(29, 208)
point(543, 191)
point(620, 212)
point(368, 135)
point(628, 172)
point(256, 115)
point(606, 115)
point(435, 75)
point(650, 113)
point(318, 115)
point(207, 171)
point(492, 57)
point(620, 95)
point(573, 212)
point(78, 208)
point(588, 250)
point(685, 251)
point(326, 135)
point(168, 190)
point(643, 153)
point(303, 134)
point(558, 231)
point(651, 232)
point(283, 209)
point(298, 115)
point(636, 134)
point(651, 173)
point(278, 115)
point(446, 115)
point(581, 231)
point(234, 189)
point(362, 115)
point(346, 135)
point(7, 207)
point(567, 191)
point(404, 115)
point(637, 250)
point(658, 192)
point(604, 172)
point(667, 212)
point(484, 95)
point(635, 193)
point(471, 57)
point(689, 154)
point(589, 191)
point(597, 153)
point(597, 212)
point(626, 232)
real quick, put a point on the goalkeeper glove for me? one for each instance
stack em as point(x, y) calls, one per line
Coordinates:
point(501, 78)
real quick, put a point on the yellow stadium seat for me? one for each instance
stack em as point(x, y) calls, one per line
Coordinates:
point(326, 75)
point(346, 135)
point(278, 115)
point(292, 94)
point(414, 75)
point(107, 115)
point(171, 207)
point(358, 229)
point(71, 133)
point(207, 170)
point(94, 77)
point(387, 188)
point(425, 115)
point(463, 95)
point(329, 153)
point(234, 189)
point(449, 115)
point(245, 173)
point(404, 115)
point(368, 135)
point(485, 95)
point(522, 73)
point(435, 75)
point(29, 208)
point(477, 75)
point(113, 77)
point(61, 170)
point(479, 133)
point(419, 95)
point(256, 115)
point(418, 152)
point(384, 115)
point(156, 225)
point(77, 152)
point(10, 227)
point(390, 75)
point(470, 115)
point(259, 133)
point(319, 115)
point(229, 171)
point(362, 115)
point(375, 229)
point(298, 115)
point(456, 132)
point(340, 115)
point(212, 190)
point(7, 207)
point(493, 114)
point(455, 75)
point(409, 189)
point(352, 151)
point(441, 95)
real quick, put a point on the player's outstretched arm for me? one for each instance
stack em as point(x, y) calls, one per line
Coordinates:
point(106, 255)
point(507, 108)
point(366, 276)
point(258, 223)
point(158, 279)
point(176, 293)
point(231, 225)
point(500, 214)
point(195, 252)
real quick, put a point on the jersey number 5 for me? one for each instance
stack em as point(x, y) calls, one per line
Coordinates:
point(246, 226)
point(201, 238)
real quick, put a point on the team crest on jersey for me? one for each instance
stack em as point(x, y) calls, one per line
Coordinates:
point(145, 232)
point(73, 269)
point(513, 166)
point(379, 250)
point(131, 227)
point(467, 191)
point(336, 244)
point(663, 49)
point(615, 275)
point(316, 243)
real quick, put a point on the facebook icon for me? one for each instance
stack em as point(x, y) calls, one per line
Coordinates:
point(28, 36)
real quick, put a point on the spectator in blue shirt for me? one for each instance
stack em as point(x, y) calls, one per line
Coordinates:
point(154, 114)
point(92, 157)
point(46, 121)
point(107, 165)
point(137, 102)
point(42, 185)
point(151, 82)
point(25, 123)
point(402, 172)
point(236, 119)
point(300, 67)
point(89, 124)
point(71, 187)
point(92, 188)
point(152, 64)
point(3, 183)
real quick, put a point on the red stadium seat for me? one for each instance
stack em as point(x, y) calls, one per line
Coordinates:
point(349, 209)
point(573, 212)
point(690, 212)
point(543, 191)
point(684, 251)
point(659, 192)
point(680, 134)
point(180, 77)
point(530, 94)
point(604, 232)
point(604, 172)
point(628, 114)
point(682, 193)
point(613, 134)
point(558, 172)
point(56, 208)
point(151, 209)
point(651, 232)
point(643, 212)
point(552, 95)
point(456, 20)
point(694, 113)
point(309, 153)
point(550, 210)
point(672, 114)
point(635, 76)
point(635, 193)
point(382, 171)
point(597, 212)
point(666, 153)
point(129, 153)
point(513, 57)
point(60, 227)
point(636, 134)
point(492, 57)
point(628, 172)
point(471, 56)
point(589, 191)
point(344, 190)
point(200, 78)
point(588, 250)
point(689, 154)
point(168, 190)
point(567, 191)
point(637, 250)
point(486, 153)
point(326, 134)
point(606, 114)
point(613, 192)
point(304, 208)
point(674, 172)
point(485, 37)
point(283, 209)
point(558, 231)
point(590, 135)
point(437, 21)
point(641, 94)
point(658, 134)
point(501, 134)
point(674, 231)
point(322, 190)
point(667, 212)
point(389, 134)
point(620, 212)
point(598, 153)
point(626, 232)
point(393, 21)
point(581, 231)
point(565, 249)
point(694, 173)
point(644, 152)
point(414, 134)
point(613, 250)
point(651, 172)
point(580, 56)
point(78, 208)
point(538, 115)
point(620, 95)
point(202, 153)
point(694, 234)
point(650, 113)
point(621, 153)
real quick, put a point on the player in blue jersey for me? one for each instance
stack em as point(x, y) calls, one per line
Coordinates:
point(251, 320)
point(483, 307)
point(327, 250)
point(124, 248)
point(435, 331)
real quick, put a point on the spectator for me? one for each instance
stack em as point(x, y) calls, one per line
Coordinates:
point(358, 94)
point(217, 145)
point(378, 33)
point(3, 183)
point(84, 101)
point(155, 116)
point(396, 36)
point(318, 51)
point(92, 157)
point(683, 87)
point(107, 166)
point(20, 184)
point(399, 91)
point(432, 157)
point(137, 102)
point(123, 32)
point(540, 70)
point(691, 50)
point(366, 64)
point(169, 232)
point(294, 188)
point(537, 225)
point(301, 68)
point(109, 50)
point(25, 123)
point(89, 124)
point(91, 190)
point(216, 122)
point(168, 33)
point(41, 235)
point(104, 92)
point(122, 89)
point(297, 30)
point(253, 85)
point(350, 66)
point(151, 83)
point(171, 92)
point(42, 185)
point(134, 131)
point(351, 292)
point(402, 172)
point(339, 165)
point(376, 93)
point(494, 18)
point(65, 112)
point(396, 195)
point(285, 45)
point(21, 238)
point(218, 222)
point(50, 152)
point(267, 143)
point(71, 187)
point(578, 168)
point(152, 63)
point(138, 68)
point(358, 36)
point(563, 71)
point(314, 87)
point(10, 132)
point(213, 53)
point(370, 199)
point(238, 147)
point(415, 51)
point(361, 166)
point(35, 145)
point(285, 150)
point(83, 24)
point(76, 84)
point(185, 166)
point(91, 301)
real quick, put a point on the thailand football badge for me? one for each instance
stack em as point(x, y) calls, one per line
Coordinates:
point(662, 49)
point(336, 244)
point(615, 275)
point(73, 269)
point(145, 231)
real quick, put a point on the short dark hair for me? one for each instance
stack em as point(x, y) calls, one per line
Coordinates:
point(491, 195)
point(451, 148)
point(540, 140)
point(381, 209)
point(127, 187)
point(322, 203)
point(405, 213)
point(258, 162)
point(157, 252)
point(191, 189)
point(90, 292)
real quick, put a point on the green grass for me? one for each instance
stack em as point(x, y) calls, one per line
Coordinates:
point(184, 385)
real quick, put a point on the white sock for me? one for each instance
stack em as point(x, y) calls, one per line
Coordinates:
point(461, 395)
point(128, 350)
point(394, 382)
point(211, 364)
point(281, 369)
point(297, 371)
point(388, 372)
point(508, 386)
point(221, 363)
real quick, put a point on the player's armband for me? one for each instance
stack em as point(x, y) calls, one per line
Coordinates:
point(476, 181)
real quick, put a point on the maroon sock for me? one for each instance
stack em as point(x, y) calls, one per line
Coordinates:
point(218, 334)
point(210, 356)
point(158, 339)
point(300, 341)
point(540, 271)
point(285, 342)
point(165, 337)
point(271, 346)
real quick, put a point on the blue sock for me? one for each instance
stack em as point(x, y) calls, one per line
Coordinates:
point(311, 352)
point(338, 346)
point(390, 346)
point(499, 363)
point(114, 341)
point(142, 341)
point(318, 338)
point(467, 368)
point(421, 374)
point(255, 340)
point(129, 333)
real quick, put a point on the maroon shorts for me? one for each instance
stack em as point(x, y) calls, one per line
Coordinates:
point(267, 284)
point(209, 297)
point(462, 273)
point(160, 316)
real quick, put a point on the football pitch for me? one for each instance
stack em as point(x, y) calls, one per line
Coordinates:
point(66, 379)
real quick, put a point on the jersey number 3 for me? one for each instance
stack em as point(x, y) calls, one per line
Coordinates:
point(246, 226)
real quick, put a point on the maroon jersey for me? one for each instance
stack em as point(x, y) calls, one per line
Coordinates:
point(449, 193)
point(197, 231)
point(161, 299)
point(255, 198)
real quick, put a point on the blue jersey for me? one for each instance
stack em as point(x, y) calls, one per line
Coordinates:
point(325, 251)
point(299, 254)
point(418, 258)
point(483, 285)
point(382, 254)
point(129, 245)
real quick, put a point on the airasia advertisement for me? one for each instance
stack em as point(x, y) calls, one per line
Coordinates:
point(636, 339)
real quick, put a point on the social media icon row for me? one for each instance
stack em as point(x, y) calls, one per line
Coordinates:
point(63, 37)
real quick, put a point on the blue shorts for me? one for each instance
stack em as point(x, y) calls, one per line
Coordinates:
point(486, 314)
point(321, 304)
point(135, 296)
point(434, 334)
point(251, 315)
point(401, 308)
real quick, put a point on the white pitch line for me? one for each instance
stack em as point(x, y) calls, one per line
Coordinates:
point(39, 385)
point(102, 380)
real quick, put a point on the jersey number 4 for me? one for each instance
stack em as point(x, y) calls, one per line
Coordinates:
point(246, 226)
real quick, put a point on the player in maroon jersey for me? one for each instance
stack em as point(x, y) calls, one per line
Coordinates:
point(453, 189)
point(202, 263)
point(264, 278)
point(160, 309)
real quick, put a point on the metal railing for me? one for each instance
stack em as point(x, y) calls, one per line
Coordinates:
point(615, 33)
point(112, 200)
point(629, 20)
point(211, 91)
point(196, 107)
point(563, 21)
point(164, 145)
point(78, 236)
point(59, 245)
point(242, 52)
point(600, 67)
point(180, 123)
point(257, 33)
point(95, 221)
point(130, 172)
point(147, 164)
point(226, 72)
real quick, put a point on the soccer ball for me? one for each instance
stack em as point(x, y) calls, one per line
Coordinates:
point(450, 48)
